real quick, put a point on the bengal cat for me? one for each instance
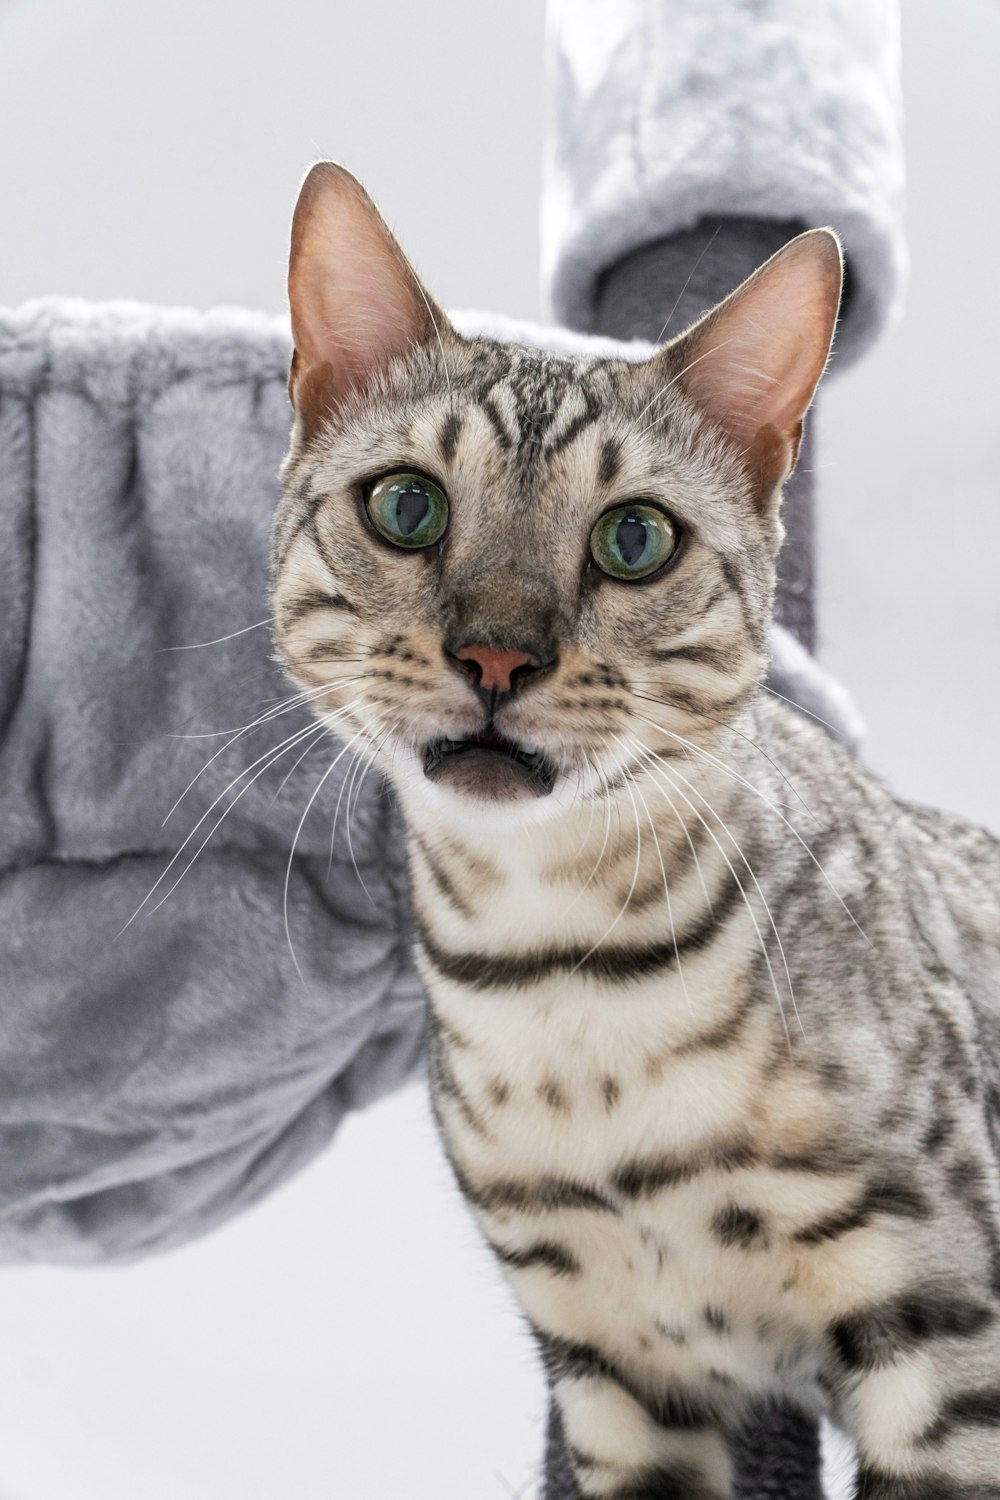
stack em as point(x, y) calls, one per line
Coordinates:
point(714, 1020)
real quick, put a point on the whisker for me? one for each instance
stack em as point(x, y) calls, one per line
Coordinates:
point(278, 706)
point(631, 889)
point(233, 680)
point(336, 816)
point(357, 797)
point(742, 781)
point(437, 335)
point(352, 782)
point(837, 733)
point(277, 702)
point(733, 729)
point(691, 274)
point(348, 777)
point(288, 868)
point(592, 800)
point(691, 845)
point(670, 383)
point(296, 701)
point(218, 640)
point(729, 833)
point(294, 767)
point(603, 796)
point(269, 757)
point(666, 890)
point(660, 765)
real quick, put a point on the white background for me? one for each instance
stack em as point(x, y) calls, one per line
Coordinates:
point(349, 1338)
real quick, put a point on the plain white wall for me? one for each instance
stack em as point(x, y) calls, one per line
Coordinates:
point(350, 1338)
point(154, 151)
point(909, 447)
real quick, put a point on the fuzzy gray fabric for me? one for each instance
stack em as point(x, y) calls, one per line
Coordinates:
point(153, 1083)
point(665, 113)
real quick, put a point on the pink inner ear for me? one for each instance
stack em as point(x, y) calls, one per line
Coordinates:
point(756, 360)
point(356, 303)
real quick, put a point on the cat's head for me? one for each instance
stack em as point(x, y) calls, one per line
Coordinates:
point(506, 572)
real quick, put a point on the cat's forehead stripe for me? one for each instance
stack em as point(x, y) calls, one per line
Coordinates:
point(536, 404)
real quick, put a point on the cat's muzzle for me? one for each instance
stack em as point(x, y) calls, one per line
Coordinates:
point(490, 766)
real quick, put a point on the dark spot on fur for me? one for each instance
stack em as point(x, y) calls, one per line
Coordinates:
point(551, 1092)
point(833, 1075)
point(448, 437)
point(735, 1226)
point(610, 460)
point(499, 1091)
point(938, 1134)
point(716, 1319)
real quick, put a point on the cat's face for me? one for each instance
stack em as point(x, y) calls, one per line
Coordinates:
point(504, 571)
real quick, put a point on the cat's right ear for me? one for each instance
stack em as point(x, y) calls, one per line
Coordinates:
point(356, 302)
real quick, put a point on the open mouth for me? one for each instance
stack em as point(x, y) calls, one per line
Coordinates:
point(489, 765)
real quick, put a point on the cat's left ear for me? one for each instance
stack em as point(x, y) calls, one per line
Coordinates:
point(356, 302)
point(753, 363)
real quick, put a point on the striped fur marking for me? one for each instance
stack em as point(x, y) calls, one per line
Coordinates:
point(874, 1337)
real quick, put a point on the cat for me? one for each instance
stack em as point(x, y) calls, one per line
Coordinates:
point(714, 1021)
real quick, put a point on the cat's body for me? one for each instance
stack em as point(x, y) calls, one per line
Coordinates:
point(714, 1021)
point(683, 1193)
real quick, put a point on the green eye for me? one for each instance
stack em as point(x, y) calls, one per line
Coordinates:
point(408, 510)
point(632, 541)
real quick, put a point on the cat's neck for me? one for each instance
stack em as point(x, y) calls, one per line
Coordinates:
point(652, 817)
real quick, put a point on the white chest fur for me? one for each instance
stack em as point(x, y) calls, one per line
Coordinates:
point(636, 1143)
point(626, 1193)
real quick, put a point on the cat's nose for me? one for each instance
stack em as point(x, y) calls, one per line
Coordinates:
point(495, 674)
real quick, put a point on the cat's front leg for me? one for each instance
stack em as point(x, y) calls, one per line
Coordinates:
point(928, 1425)
point(619, 1451)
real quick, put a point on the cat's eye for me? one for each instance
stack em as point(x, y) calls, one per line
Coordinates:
point(633, 541)
point(408, 509)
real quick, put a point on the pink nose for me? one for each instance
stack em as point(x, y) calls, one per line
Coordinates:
point(496, 667)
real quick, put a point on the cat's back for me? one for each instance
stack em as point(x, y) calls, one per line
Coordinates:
point(912, 874)
point(955, 873)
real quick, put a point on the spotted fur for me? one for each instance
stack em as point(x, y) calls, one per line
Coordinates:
point(714, 1028)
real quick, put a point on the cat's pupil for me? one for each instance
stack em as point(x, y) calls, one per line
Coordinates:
point(630, 539)
point(411, 509)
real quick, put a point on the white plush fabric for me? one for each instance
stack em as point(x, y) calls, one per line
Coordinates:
point(666, 112)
